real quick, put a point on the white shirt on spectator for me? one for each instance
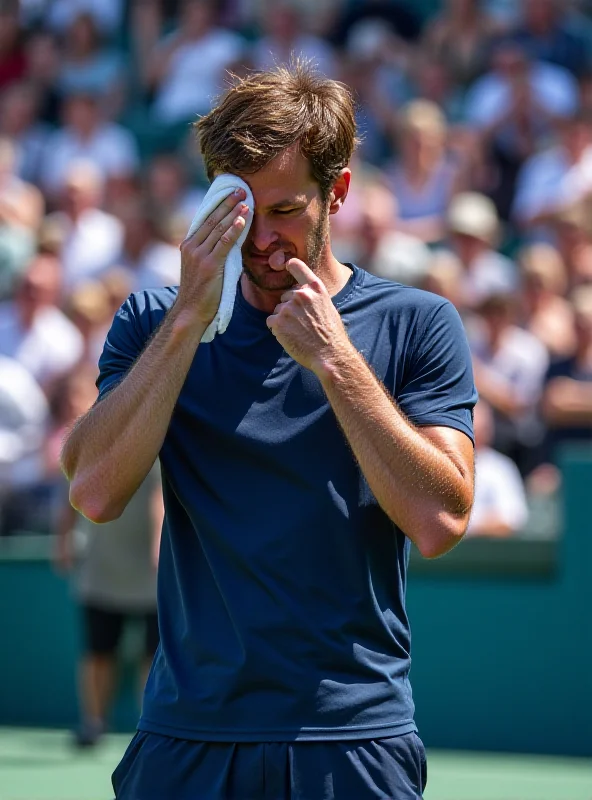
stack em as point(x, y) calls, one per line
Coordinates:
point(196, 75)
point(91, 245)
point(51, 347)
point(24, 414)
point(489, 273)
point(112, 149)
point(538, 182)
point(159, 265)
point(490, 97)
point(576, 184)
point(520, 359)
point(499, 491)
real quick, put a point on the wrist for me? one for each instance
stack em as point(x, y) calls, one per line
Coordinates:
point(185, 323)
point(333, 366)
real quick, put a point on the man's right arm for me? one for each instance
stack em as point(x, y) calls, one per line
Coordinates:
point(113, 446)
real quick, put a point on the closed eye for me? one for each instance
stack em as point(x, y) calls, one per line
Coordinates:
point(284, 210)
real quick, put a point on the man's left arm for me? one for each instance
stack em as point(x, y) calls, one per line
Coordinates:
point(422, 477)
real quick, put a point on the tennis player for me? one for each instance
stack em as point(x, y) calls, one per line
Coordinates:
point(302, 451)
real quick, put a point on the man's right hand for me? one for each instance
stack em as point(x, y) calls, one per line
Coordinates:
point(203, 256)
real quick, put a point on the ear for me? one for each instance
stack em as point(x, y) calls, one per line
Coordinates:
point(339, 191)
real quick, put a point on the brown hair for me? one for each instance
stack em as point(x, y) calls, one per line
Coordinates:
point(266, 112)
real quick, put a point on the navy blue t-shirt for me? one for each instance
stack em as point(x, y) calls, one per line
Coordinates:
point(281, 581)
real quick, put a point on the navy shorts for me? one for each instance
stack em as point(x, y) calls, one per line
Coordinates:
point(156, 767)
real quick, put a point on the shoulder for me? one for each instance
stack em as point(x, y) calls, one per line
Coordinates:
point(377, 291)
point(417, 315)
point(145, 309)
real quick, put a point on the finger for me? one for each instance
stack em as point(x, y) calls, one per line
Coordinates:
point(287, 296)
point(228, 239)
point(301, 272)
point(217, 215)
point(270, 322)
point(223, 226)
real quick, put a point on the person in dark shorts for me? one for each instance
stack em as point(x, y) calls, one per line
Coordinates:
point(302, 451)
point(115, 584)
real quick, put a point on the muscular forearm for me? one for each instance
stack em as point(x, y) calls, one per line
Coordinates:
point(112, 448)
point(422, 489)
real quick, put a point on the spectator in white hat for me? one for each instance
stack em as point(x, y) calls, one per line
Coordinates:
point(473, 230)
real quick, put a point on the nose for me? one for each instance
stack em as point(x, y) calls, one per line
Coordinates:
point(262, 235)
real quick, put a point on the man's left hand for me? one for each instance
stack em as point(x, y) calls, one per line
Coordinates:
point(306, 323)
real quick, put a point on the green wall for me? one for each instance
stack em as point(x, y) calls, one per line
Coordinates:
point(504, 662)
point(502, 642)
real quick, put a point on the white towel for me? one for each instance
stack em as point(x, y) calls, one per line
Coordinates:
point(221, 187)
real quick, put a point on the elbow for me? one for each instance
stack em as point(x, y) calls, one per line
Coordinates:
point(90, 504)
point(442, 536)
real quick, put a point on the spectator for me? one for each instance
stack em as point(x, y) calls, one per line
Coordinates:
point(33, 330)
point(424, 178)
point(375, 102)
point(87, 136)
point(499, 507)
point(19, 122)
point(430, 79)
point(21, 208)
point(510, 366)
point(148, 257)
point(92, 238)
point(116, 282)
point(115, 576)
point(284, 35)
point(473, 231)
point(520, 100)
point(21, 203)
point(445, 277)
point(23, 425)
point(188, 67)
point(546, 33)
point(548, 315)
point(115, 583)
point(515, 106)
point(70, 396)
point(567, 399)
point(572, 231)
point(88, 307)
point(43, 63)
point(167, 188)
point(460, 37)
point(540, 180)
point(106, 13)
point(386, 251)
point(87, 66)
point(398, 18)
point(13, 60)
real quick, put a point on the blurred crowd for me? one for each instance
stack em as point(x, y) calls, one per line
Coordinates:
point(473, 180)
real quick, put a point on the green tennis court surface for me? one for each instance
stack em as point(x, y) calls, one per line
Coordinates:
point(41, 765)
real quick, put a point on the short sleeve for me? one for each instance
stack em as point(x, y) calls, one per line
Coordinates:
point(124, 343)
point(438, 386)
